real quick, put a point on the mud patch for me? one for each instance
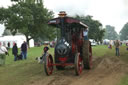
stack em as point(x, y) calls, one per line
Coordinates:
point(108, 71)
point(105, 71)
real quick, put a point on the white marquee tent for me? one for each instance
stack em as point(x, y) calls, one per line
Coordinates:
point(19, 39)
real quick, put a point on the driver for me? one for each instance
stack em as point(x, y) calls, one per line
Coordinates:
point(85, 34)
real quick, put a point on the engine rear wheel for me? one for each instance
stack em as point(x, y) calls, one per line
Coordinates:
point(48, 64)
point(78, 64)
point(87, 54)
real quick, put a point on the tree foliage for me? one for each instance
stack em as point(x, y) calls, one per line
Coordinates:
point(6, 32)
point(124, 32)
point(110, 33)
point(95, 27)
point(28, 17)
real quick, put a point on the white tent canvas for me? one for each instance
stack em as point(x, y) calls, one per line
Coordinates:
point(19, 39)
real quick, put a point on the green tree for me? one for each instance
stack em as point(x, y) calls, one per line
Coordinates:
point(95, 27)
point(110, 33)
point(124, 32)
point(7, 32)
point(27, 17)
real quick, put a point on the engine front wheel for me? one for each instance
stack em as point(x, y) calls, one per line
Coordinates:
point(48, 64)
point(78, 64)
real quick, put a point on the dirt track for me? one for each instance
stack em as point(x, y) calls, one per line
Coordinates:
point(105, 71)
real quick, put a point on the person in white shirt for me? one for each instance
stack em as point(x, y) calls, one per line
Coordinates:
point(3, 52)
point(85, 34)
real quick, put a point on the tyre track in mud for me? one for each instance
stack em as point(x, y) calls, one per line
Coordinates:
point(105, 71)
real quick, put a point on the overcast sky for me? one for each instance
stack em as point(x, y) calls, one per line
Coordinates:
point(108, 12)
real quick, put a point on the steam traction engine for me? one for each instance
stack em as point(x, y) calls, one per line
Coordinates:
point(71, 47)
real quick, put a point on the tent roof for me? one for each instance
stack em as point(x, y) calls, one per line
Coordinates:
point(12, 38)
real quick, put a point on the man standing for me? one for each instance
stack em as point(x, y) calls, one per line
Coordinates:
point(8, 45)
point(3, 52)
point(117, 44)
point(15, 51)
point(24, 50)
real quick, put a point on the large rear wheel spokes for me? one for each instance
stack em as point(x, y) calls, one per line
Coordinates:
point(48, 64)
point(78, 64)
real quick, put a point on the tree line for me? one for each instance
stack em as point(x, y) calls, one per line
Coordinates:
point(30, 17)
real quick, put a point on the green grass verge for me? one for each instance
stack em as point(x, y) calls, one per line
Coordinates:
point(124, 80)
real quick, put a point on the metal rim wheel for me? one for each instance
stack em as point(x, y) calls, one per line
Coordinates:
point(87, 55)
point(48, 64)
point(78, 64)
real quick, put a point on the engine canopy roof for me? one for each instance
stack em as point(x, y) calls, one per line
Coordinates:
point(69, 21)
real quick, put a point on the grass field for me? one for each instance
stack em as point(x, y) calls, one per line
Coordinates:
point(19, 72)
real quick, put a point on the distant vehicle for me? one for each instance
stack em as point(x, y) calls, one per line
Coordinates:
point(46, 43)
point(93, 42)
point(37, 44)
